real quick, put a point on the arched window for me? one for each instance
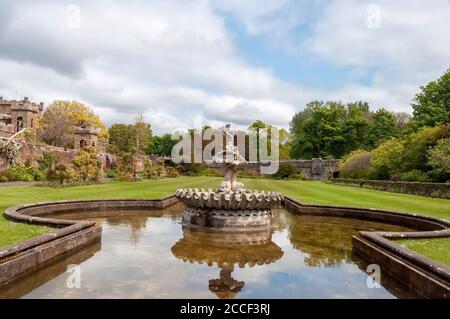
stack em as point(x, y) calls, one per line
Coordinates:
point(19, 124)
point(93, 143)
point(32, 123)
point(83, 144)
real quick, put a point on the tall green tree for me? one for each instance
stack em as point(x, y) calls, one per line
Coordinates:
point(439, 157)
point(432, 104)
point(121, 135)
point(328, 129)
point(162, 145)
point(256, 127)
point(142, 134)
point(383, 126)
point(285, 144)
point(356, 126)
point(131, 138)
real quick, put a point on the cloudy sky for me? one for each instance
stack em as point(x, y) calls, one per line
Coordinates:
point(214, 61)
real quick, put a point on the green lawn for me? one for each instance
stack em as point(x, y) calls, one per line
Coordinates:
point(306, 191)
point(437, 249)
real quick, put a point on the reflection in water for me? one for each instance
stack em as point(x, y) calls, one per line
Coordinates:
point(226, 250)
point(48, 271)
point(148, 254)
point(136, 225)
point(226, 287)
point(327, 240)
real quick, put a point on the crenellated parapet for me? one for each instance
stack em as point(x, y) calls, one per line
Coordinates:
point(16, 115)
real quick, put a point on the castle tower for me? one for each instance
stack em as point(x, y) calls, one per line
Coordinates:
point(17, 115)
point(85, 137)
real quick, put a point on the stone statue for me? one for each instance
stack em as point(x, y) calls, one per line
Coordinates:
point(232, 159)
point(231, 206)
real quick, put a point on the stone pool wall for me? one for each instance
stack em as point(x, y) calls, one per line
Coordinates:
point(421, 274)
point(70, 235)
point(425, 276)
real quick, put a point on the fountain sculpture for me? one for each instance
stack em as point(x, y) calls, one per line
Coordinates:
point(231, 206)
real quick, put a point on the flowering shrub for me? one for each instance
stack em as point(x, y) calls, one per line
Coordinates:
point(87, 165)
point(58, 174)
point(171, 172)
point(9, 149)
point(439, 157)
point(23, 174)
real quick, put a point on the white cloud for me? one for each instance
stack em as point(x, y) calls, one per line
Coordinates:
point(410, 48)
point(244, 111)
point(411, 34)
point(175, 60)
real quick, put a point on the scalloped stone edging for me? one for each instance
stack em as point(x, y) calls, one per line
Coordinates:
point(421, 274)
point(245, 200)
point(425, 276)
point(19, 259)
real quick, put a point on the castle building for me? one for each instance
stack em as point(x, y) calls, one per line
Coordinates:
point(86, 137)
point(17, 115)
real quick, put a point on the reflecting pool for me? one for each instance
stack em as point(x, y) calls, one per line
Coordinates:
point(149, 254)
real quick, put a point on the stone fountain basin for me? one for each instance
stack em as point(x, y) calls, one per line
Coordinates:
point(240, 200)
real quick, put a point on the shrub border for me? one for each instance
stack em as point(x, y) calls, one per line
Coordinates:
point(427, 277)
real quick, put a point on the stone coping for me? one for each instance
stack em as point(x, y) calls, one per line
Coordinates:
point(69, 235)
point(387, 253)
point(25, 256)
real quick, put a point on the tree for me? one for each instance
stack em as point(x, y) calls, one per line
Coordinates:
point(432, 105)
point(283, 135)
point(328, 129)
point(121, 135)
point(383, 126)
point(162, 145)
point(356, 126)
point(417, 145)
point(131, 138)
point(59, 119)
point(142, 133)
point(256, 127)
point(56, 127)
point(388, 156)
point(285, 144)
point(439, 157)
point(402, 120)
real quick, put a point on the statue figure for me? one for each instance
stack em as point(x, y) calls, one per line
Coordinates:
point(230, 206)
point(232, 159)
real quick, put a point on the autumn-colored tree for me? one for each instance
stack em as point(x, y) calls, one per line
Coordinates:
point(56, 126)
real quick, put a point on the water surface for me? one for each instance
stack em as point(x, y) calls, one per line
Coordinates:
point(151, 255)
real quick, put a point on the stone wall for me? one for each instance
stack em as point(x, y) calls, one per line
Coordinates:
point(30, 153)
point(315, 169)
